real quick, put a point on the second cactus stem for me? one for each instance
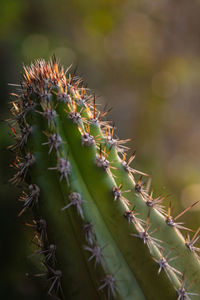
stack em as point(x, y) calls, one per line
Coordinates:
point(101, 232)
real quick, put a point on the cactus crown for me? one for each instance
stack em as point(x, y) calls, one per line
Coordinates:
point(100, 231)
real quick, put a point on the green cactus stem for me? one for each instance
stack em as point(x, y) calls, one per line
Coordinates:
point(101, 233)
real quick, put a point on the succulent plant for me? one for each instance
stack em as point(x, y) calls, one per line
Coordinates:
point(99, 231)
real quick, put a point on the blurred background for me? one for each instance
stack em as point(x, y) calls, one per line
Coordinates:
point(142, 58)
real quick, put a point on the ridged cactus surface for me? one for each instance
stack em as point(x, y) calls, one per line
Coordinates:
point(99, 231)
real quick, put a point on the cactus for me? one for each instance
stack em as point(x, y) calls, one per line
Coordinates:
point(99, 232)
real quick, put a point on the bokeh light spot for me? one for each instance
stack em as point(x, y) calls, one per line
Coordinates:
point(189, 195)
point(35, 46)
point(164, 84)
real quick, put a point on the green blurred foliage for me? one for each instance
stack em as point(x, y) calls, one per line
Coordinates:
point(142, 59)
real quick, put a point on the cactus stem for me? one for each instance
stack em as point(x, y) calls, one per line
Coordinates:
point(90, 161)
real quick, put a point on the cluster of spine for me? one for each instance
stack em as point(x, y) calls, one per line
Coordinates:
point(102, 233)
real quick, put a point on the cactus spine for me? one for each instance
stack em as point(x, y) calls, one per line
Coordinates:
point(102, 234)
